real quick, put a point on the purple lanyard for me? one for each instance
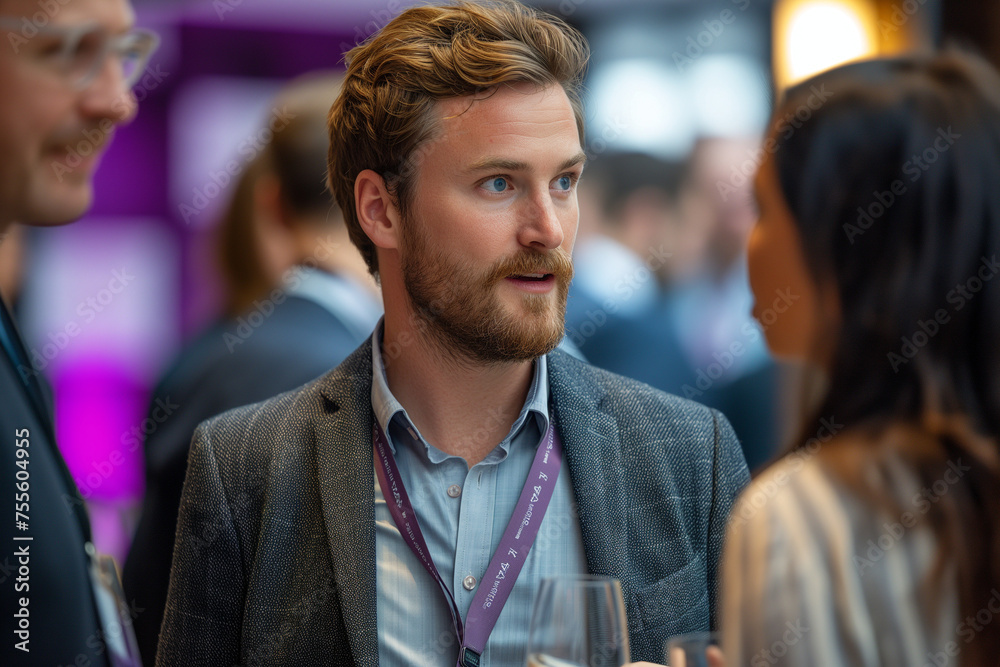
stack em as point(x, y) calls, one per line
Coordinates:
point(510, 554)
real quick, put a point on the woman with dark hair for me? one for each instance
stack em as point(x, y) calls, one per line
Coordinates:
point(876, 540)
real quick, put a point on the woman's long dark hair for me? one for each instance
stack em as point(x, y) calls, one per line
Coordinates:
point(891, 170)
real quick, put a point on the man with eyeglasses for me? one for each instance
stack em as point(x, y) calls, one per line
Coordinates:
point(66, 71)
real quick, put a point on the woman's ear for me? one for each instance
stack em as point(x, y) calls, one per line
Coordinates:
point(377, 211)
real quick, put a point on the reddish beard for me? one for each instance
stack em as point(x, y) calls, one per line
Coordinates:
point(461, 307)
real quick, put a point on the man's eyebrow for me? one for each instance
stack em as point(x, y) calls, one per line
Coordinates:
point(579, 158)
point(507, 164)
point(498, 164)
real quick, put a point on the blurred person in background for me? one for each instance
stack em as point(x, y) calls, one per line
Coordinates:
point(876, 541)
point(631, 201)
point(65, 85)
point(299, 300)
point(619, 310)
point(715, 305)
point(733, 370)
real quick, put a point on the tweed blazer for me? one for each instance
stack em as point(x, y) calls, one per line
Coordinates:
point(274, 562)
point(300, 341)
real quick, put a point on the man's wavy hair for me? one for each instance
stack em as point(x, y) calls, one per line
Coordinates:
point(386, 108)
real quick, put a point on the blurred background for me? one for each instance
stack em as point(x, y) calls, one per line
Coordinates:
point(678, 96)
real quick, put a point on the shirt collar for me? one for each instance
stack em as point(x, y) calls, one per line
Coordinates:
point(388, 410)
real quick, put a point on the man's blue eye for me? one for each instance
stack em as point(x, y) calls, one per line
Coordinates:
point(498, 184)
point(565, 182)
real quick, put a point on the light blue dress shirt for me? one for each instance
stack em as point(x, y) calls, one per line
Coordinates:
point(462, 514)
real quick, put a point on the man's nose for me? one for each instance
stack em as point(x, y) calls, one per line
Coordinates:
point(109, 95)
point(542, 227)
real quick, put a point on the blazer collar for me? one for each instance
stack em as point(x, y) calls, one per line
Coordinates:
point(593, 450)
point(345, 465)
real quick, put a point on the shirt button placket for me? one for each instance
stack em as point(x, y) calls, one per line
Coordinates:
point(474, 532)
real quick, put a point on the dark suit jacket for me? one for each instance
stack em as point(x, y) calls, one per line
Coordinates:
point(275, 554)
point(63, 623)
point(220, 370)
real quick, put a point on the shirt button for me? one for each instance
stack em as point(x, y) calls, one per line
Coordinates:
point(454, 491)
point(469, 582)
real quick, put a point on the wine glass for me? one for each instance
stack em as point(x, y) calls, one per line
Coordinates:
point(695, 649)
point(578, 621)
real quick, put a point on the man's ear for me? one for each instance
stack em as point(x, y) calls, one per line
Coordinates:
point(377, 211)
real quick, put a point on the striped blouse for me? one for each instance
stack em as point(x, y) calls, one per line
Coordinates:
point(812, 575)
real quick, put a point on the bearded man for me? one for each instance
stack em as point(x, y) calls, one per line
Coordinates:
point(377, 515)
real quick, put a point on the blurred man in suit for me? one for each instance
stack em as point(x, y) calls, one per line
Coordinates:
point(403, 509)
point(300, 300)
point(643, 245)
point(66, 84)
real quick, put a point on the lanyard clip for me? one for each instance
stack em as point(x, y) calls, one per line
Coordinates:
point(468, 657)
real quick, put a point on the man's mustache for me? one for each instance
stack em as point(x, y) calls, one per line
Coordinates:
point(93, 136)
point(556, 262)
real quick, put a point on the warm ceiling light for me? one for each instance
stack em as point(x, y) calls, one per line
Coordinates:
point(814, 35)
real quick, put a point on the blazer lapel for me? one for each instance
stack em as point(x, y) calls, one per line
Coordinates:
point(23, 370)
point(40, 398)
point(345, 465)
point(593, 453)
